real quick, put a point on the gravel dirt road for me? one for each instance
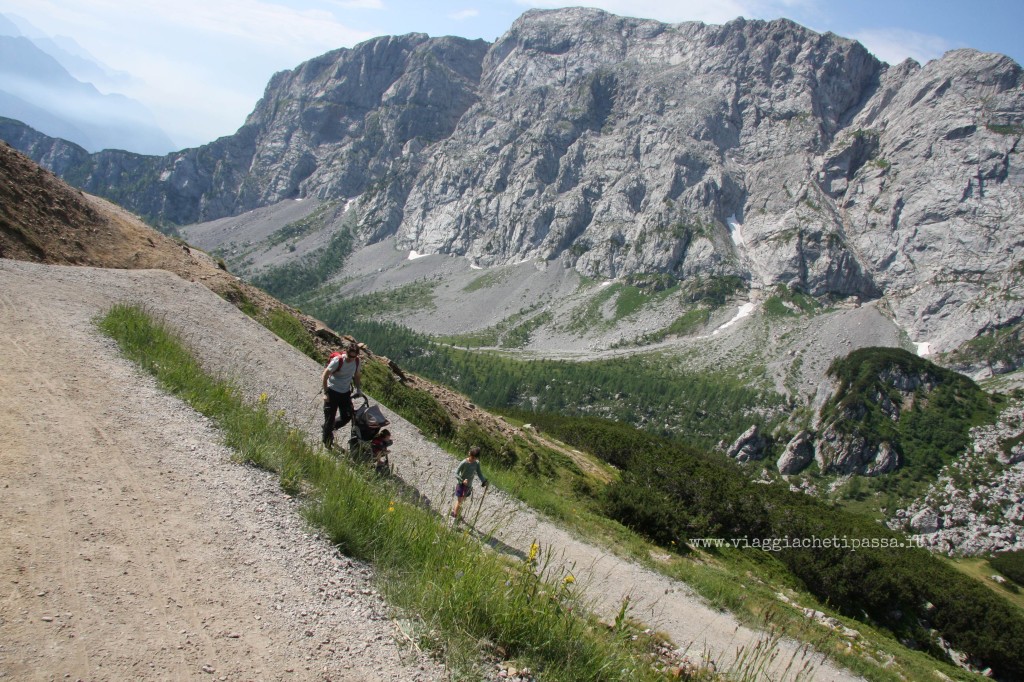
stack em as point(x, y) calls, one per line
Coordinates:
point(134, 548)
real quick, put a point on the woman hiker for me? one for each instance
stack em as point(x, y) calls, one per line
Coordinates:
point(341, 373)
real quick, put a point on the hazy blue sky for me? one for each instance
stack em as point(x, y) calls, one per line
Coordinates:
point(201, 65)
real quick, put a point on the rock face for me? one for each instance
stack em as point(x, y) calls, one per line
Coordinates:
point(838, 452)
point(348, 123)
point(751, 446)
point(760, 150)
point(798, 455)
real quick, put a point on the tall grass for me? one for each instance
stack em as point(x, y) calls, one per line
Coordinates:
point(467, 600)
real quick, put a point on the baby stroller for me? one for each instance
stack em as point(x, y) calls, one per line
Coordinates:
point(369, 440)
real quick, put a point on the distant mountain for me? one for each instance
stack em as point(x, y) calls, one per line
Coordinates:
point(72, 56)
point(82, 65)
point(37, 89)
point(8, 27)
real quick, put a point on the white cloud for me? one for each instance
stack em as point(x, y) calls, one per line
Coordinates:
point(261, 24)
point(893, 45)
point(200, 65)
point(465, 14)
point(359, 4)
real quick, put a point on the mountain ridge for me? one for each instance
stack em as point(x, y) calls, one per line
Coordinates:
point(617, 146)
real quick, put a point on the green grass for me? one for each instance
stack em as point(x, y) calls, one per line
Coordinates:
point(687, 324)
point(1006, 129)
point(459, 594)
point(487, 280)
point(512, 332)
point(785, 302)
point(982, 571)
point(628, 300)
point(519, 335)
point(588, 315)
point(418, 295)
point(287, 326)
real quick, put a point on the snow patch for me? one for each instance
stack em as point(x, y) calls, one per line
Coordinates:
point(413, 255)
point(736, 230)
point(348, 204)
point(604, 284)
point(744, 311)
point(474, 266)
point(923, 348)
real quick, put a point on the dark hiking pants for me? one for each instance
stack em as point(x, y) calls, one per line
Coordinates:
point(339, 404)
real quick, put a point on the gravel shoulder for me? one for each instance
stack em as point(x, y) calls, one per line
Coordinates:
point(135, 547)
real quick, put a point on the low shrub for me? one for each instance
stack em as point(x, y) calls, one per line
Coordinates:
point(1010, 564)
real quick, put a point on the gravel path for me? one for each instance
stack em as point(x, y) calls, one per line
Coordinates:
point(137, 549)
point(134, 548)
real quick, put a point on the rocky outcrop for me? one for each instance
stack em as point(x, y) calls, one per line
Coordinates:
point(798, 455)
point(925, 521)
point(621, 146)
point(864, 426)
point(618, 146)
point(751, 446)
point(975, 506)
point(845, 453)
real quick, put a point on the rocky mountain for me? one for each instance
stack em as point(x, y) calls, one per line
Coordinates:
point(758, 151)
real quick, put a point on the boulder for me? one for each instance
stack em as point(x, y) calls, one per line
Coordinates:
point(886, 459)
point(749, 447)
point(926, 521)
point(798, 455)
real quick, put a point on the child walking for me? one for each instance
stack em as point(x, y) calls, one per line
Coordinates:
point(379, 446)
point(468, 468)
